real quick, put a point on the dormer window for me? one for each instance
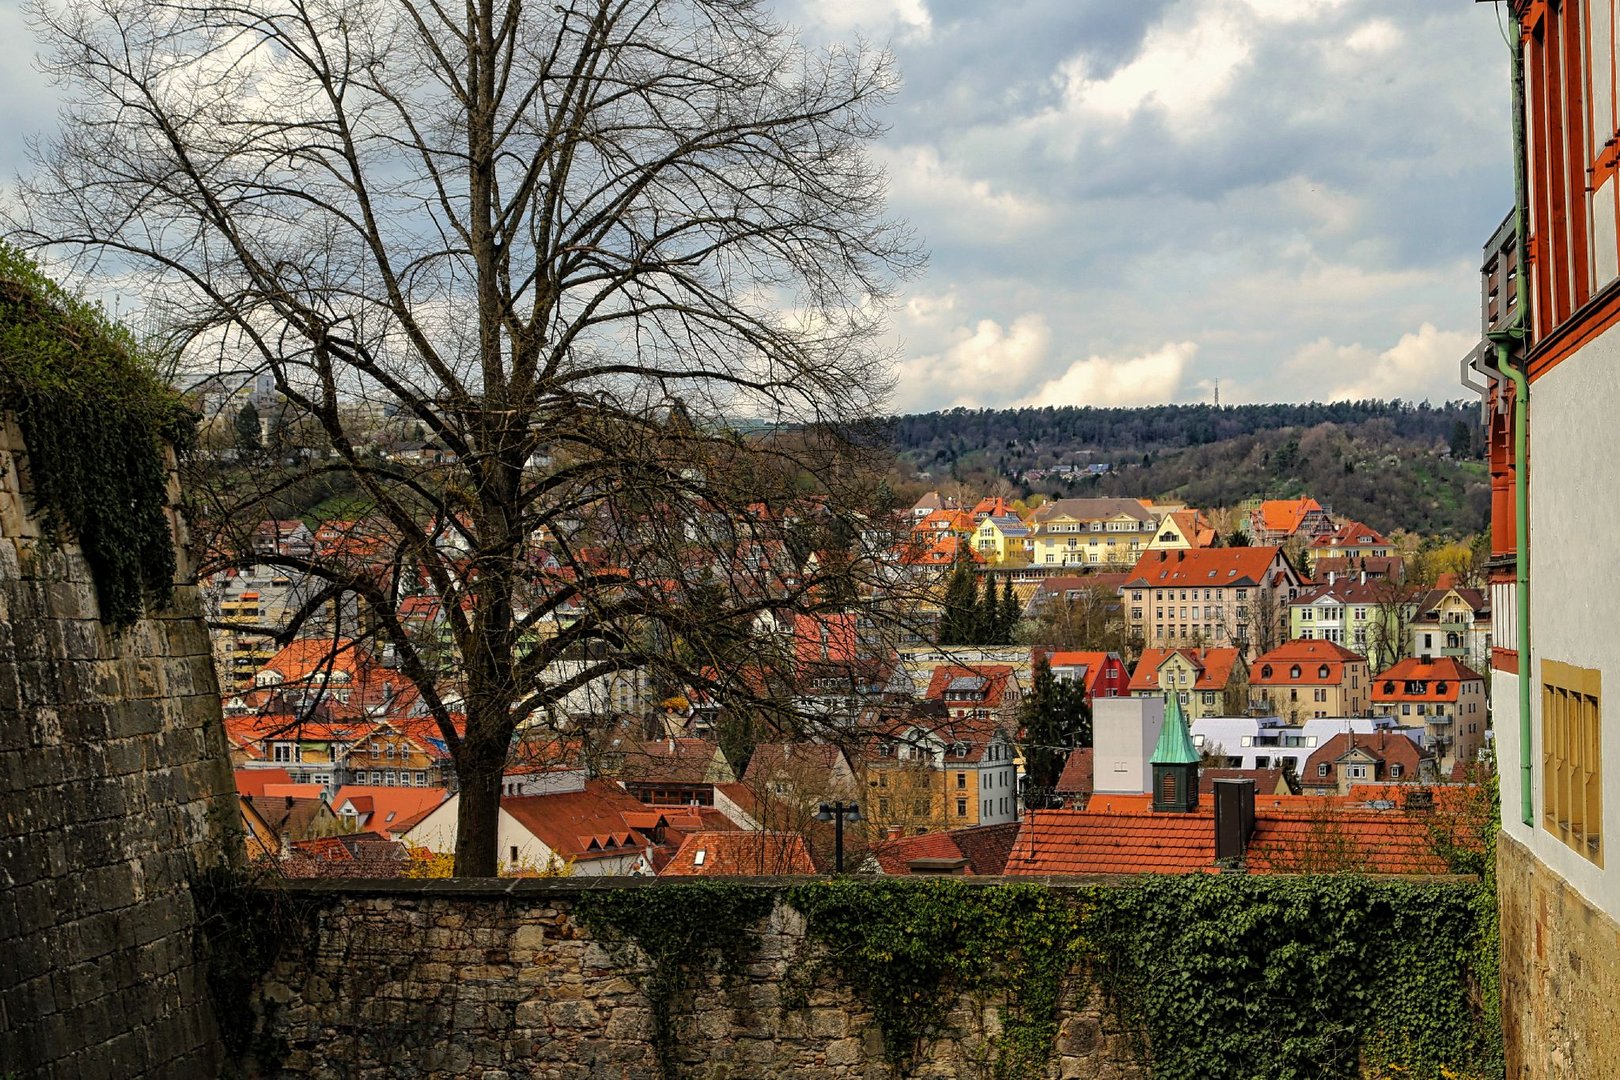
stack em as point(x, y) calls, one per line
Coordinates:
point(1265, 671)
point(1293, 672)
point(1322, 672)
point(961, 750)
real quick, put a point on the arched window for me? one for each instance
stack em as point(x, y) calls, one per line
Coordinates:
point(1265, 671)
point(1322, 672)
point(1293, 672)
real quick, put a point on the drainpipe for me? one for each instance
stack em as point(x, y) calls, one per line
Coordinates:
point(1504, 340)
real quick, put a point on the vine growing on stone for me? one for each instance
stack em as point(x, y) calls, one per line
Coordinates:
point(683, 930)
point(95, 416)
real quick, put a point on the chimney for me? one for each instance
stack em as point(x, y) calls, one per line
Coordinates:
point(1332, 576)
point(893, 832)
point(1364, 577)
point(1234, 821)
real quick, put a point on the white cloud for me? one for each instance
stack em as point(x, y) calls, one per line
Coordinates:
point(1377, 36)
point(1420, 365)
point(985, 364)
point(1148, 379)
point(918, 180)
point(909, 17)
point(1186, 63)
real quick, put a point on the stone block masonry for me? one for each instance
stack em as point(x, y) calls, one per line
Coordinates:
point(115, 790)
point(1560, 974)
point(501, 980)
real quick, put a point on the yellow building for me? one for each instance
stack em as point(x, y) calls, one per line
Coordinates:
point(998, 539)
point(1092, 532)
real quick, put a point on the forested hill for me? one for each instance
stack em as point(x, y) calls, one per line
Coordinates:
point(1158, 427)
point(1391, 464)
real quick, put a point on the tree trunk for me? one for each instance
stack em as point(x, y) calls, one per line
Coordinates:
point(478, 814)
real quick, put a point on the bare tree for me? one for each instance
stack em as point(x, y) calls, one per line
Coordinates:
point(568, 240)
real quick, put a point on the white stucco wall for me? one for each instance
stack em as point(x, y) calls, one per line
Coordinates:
point(1124, 734)
point(1574, 597)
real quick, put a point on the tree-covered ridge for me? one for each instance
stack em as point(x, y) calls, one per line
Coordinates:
point(1389, 464)
point(1156, 427)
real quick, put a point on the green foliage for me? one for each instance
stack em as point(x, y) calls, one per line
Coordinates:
point(681, 929)
point(911, 946)
point(1298, 978)
point(95, 416)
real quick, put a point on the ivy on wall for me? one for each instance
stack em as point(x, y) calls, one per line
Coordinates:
point(910, 947)
point(1297, 978)
point(95, 415)
point(684, 930)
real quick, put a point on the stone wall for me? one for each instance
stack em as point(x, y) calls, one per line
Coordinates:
point(501, 980)
point(115, 789)
point(1560, 974)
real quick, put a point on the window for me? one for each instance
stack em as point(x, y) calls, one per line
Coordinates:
point(513, 859)
point(961, 781)
point(1572, 756)
point(1358, 772)
point(1322, 672)
point(1395, 772)
point(1293, 672)
point(961, 808)
point(1324, 769)
point(283, 752)
point(1265, 671)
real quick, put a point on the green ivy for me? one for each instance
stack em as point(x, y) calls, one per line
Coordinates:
point(682, 929)
point(910, 947)
point(95, 416)
point(1298, 978)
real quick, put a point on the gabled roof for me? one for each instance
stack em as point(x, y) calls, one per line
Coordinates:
point(1076, 776)
point(984, 848)
point(813, 762)
point(254, 781)
point(1474, 598)
point(1352, 534)
point(1311, 655)
point(1205, 568)
point(1382, 747)
point(1194, 527)
point(737, 854)
point(1091, 510)
point(1285, 515)
point(1266, 781)
point(1344, 590)
point(1213, 667)
point(588, 824)
point(674, 761)
point(383, 810)
point(987, 681)
point(1437, 671)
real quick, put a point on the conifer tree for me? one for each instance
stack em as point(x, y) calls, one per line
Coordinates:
point(1010, 612)
point(1056, 719)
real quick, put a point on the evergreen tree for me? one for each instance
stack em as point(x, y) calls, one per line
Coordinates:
point(983, 631)
point(248, 441)
point(961, 598)
point(1056, 720)
point(1010, 612)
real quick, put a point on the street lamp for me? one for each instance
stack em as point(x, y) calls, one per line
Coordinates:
point(837, 812)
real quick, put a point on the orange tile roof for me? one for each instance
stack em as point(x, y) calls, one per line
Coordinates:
point(1076, 776)
point(1286, 515)
point(1212, 665)
point(1391, 684)
point(1365, 841)
point(733, 854)
point(1130, 842)
point(588, 824)
point(985, 847)
point(254, 781)
point(1207, 568)
point(385, 808)
point(995, 678)
point(1351, 534)
point(1311, 656)
point(1195, 527)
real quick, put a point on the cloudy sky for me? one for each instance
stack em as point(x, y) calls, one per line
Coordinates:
point(1126, 201)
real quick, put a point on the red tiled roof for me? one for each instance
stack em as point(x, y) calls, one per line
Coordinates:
point(254, 781)
point(994, 675)
point(1212, 665)
point(1285, 515)
point(1133, 842)
point(985, 847)
point(1351, 534)
point(1364, 841)
point(1076, 776)
point(1383, 747)
point(383, 809)
point(588, 824)
point(1266, 781)
point(1275, 668)
point(1207, 568)
point(1391, 684)
point(733, 854)
point(827, 638)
